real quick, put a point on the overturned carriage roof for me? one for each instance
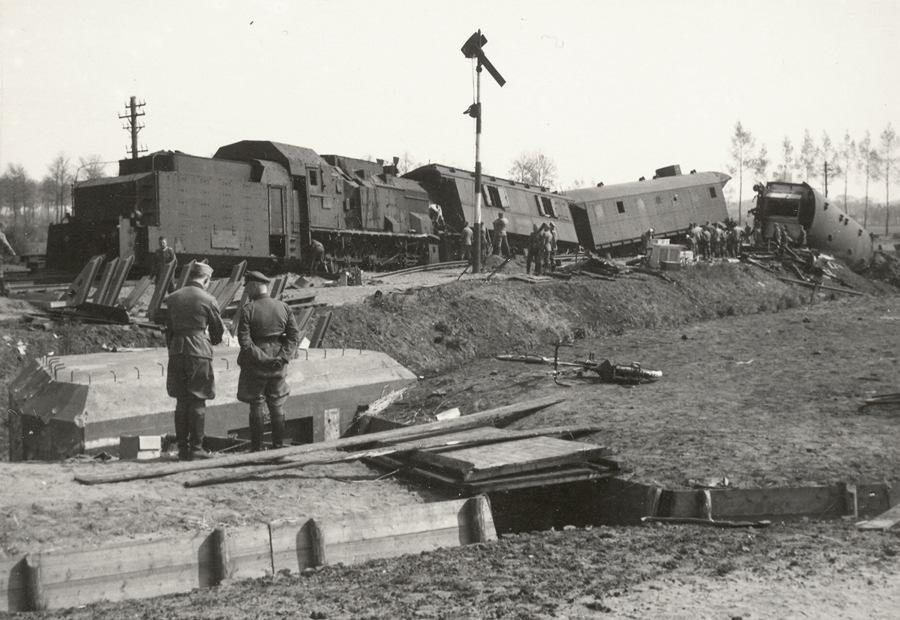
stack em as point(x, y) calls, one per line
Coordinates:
point(294, 158)
point(634, 188)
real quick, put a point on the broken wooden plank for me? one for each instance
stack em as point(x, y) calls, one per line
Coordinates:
point(882, 522)
point(318, 332)
point(450, 441)
point(499, 416)
point(137, 292)
point(105, 279)
point(823, 287)
point(78, 291)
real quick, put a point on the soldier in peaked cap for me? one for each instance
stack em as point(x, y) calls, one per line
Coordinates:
point(268, 336)
point(192, 312)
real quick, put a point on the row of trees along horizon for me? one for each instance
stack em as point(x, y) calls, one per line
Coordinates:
point(28, 205)
point(826, 166)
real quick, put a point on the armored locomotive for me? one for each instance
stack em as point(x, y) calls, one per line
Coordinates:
point(798, 206)
point(256, 200)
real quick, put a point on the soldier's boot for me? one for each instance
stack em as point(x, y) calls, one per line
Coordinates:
point(256, 426)
point(198, 425)
point(277, 416)
point(182, 430)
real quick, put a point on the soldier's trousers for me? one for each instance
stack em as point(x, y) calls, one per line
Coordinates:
point(190, 420)
point(257, 421)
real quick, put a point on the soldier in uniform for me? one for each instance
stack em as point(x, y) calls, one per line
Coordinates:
point(189, 378)
point(269, 337)
point(161, 258)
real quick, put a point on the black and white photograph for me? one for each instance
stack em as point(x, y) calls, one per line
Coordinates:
point(335, 309)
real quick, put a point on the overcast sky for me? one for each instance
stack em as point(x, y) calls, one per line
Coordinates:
point(609, 90)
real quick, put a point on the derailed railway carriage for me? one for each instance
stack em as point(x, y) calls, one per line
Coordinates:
point(612, 218)
point(828, 227)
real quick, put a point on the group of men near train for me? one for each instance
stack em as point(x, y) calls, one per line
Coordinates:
point(542, 244)
point(724, 239)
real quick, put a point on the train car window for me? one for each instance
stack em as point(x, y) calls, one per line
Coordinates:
point(486, 194)
point(495, 197)
point(504, 197)
point(674, 197)
point(712, 192)
point(313, 176)
point(620, 206)
point(658, 199)
point(540, 206)
point(549, 211)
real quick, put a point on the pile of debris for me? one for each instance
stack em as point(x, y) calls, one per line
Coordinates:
point(807, 267)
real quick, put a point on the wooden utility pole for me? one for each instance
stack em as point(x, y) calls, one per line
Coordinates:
point(132, 126)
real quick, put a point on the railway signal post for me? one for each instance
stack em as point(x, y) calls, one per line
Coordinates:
point(472, 49)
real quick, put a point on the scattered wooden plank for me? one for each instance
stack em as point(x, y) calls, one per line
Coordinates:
point(159, 291)
point(824, 287)
point(105, 279)
point(414, 528)
point(137, 292)
point(318, 332)
point(513, 457)
point(78, 291)
point(499, 416)
point(882, 522)
point(450, 441)
point(14, 595)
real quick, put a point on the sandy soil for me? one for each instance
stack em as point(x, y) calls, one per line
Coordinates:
point(757, 386)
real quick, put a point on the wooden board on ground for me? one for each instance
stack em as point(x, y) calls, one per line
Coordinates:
point(884, 521)
point(13, 590)
point(513, 457)
point(401, 530)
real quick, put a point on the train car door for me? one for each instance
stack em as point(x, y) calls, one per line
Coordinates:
point(277, 222)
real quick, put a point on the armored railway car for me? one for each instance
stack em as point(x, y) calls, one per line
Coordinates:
point(828, 228)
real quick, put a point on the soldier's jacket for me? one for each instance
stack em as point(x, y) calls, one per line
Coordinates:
point(191, 312)
point(268, 336)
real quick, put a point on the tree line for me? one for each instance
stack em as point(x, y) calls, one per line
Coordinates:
point(821, 163)
point(27, 205)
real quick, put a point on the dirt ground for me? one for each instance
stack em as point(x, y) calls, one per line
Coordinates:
point(758, 386)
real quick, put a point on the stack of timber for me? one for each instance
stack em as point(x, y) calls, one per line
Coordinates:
point(491, 460)
point(95, 299)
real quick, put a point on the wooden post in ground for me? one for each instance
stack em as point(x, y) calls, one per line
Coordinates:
point(35, 600)
point(219, 560)
point(482, 520)
point(317, 554)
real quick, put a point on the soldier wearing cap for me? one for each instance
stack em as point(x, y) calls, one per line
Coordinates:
point(189, 378)
point(268, 336)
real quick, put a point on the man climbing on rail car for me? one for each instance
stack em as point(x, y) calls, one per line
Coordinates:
point(501, 224)
point(465, 240)
point(161, 258)
point(5, 248)
point(554, 241)
point(192, 312)
point(269, 337)
point(316, 256)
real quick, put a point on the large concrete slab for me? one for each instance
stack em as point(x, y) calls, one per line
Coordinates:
point(74, 403)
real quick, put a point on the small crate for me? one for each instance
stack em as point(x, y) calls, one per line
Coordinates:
point(140, 447)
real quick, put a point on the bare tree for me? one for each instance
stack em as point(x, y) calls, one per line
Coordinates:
point(58, 183)
point(787, 165)
point(847, 159)
point(887, 160)
point(869, 163)
point(90, 168)
point(809, 158)
point(829, 161)
point(743, 146)
point(534, 168)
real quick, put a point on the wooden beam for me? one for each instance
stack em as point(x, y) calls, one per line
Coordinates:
point(35, 597)
point(884, 521)
point(500, 416)
point(440, 442)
